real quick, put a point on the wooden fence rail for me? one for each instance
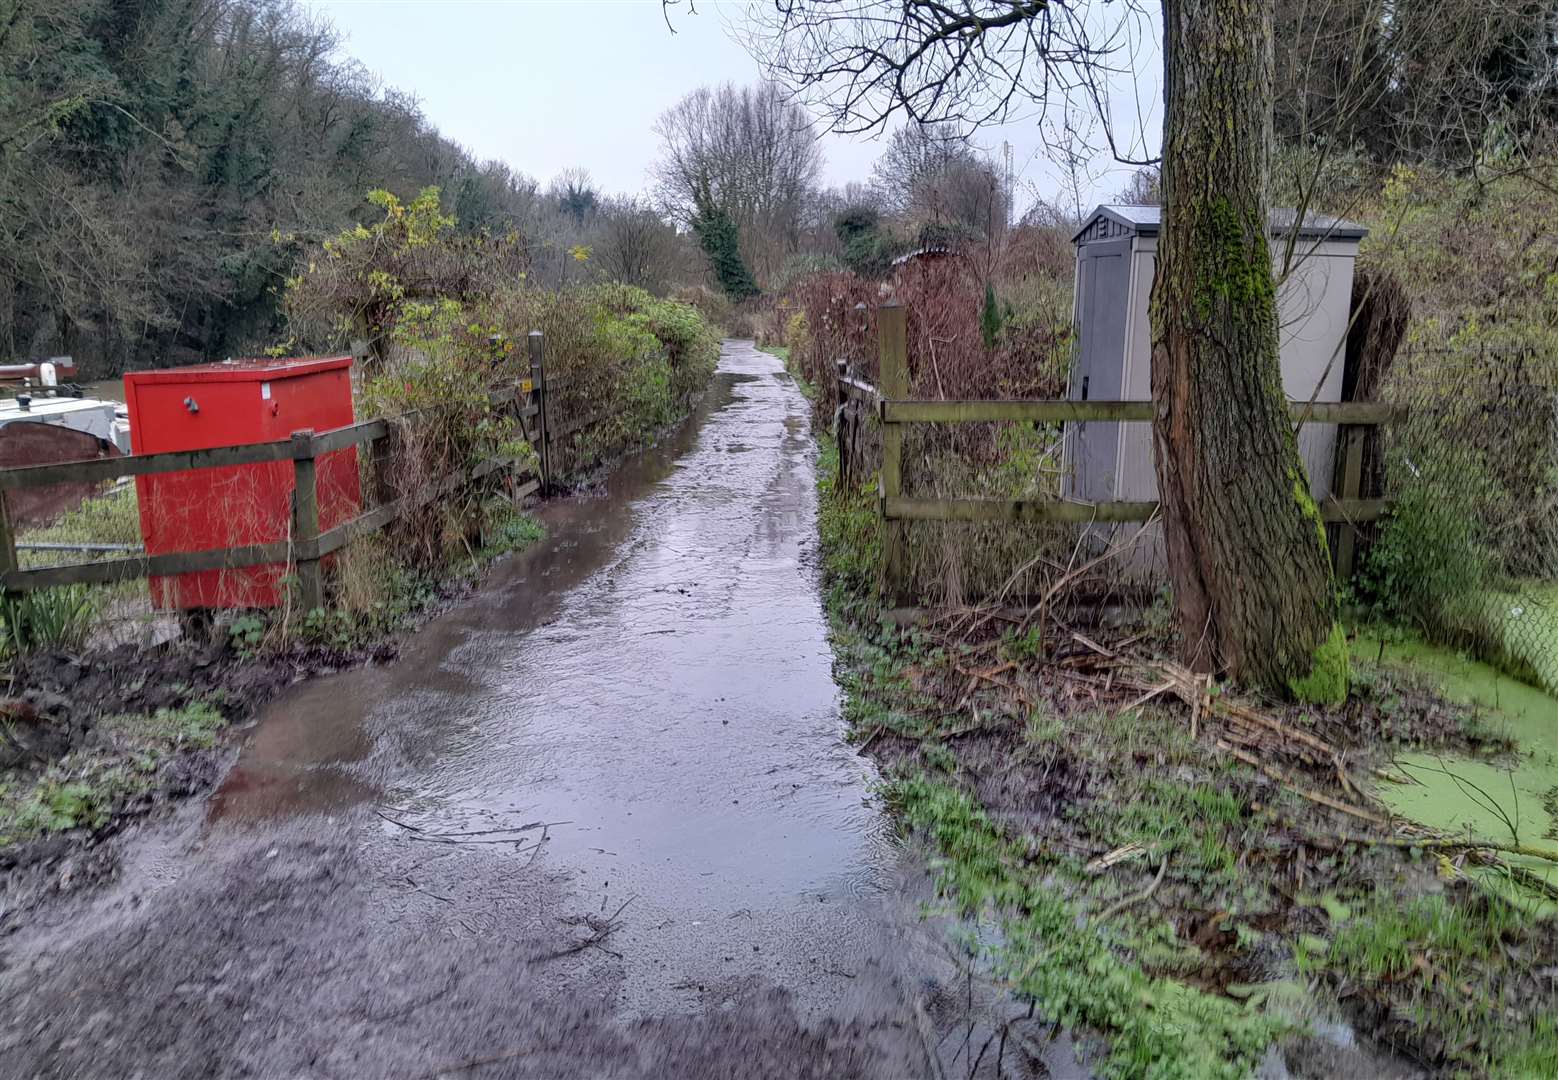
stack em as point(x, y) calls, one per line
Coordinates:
point(892, 407)
point(307, 544)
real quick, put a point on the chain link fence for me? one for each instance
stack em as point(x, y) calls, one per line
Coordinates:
point(1470, 551)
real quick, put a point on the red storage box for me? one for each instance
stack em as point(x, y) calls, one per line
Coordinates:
point(229, 404)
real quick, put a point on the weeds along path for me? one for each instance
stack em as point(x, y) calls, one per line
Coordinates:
point(598, 821)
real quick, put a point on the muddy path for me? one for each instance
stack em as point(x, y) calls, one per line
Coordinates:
point(597, 821)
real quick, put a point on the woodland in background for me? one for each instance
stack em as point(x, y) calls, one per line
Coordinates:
point(165, 164)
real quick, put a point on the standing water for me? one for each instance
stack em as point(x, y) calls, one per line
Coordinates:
point(654, 681)
point(598, 820)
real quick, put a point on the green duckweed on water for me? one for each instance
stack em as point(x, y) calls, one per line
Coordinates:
point(1509, 798)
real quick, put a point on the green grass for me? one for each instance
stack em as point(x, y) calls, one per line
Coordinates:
point(86, 787)
point(63, 617)
point(1068, 965)
point(1137, 778)
point(851, 534)
point(1196, 825)
point(105, 519)
point(1456, 962)
point(808, 390)
point(506, 529)
point(57, 618)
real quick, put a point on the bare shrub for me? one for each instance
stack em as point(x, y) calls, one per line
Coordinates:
point(953, 564)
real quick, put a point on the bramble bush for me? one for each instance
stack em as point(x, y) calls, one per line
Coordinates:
point(1469, 553)
point(447, 317)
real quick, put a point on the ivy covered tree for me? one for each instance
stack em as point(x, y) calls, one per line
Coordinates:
point(869, 245)
point(748, 154)
point(721, 242)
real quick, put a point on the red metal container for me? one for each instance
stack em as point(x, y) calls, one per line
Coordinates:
point(228, 404)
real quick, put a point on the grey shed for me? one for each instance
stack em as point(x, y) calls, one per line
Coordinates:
point(1116, 258)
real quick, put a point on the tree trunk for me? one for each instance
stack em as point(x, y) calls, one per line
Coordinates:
point(1246, 548)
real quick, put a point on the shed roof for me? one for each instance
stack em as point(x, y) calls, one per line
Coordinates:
point(1109, 221)
point(922, 252)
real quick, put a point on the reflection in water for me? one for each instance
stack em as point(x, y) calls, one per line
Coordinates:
point(653, 679)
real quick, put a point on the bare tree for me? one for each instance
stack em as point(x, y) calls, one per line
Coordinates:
point(635, 245)
point(861, 62)
point(932, 175)
point(916, 155)
point(1247, 557)
point(749, 153)
point(1144, 188)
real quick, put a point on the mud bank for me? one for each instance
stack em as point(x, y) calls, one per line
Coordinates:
point(1193, 886)
point(596, 821)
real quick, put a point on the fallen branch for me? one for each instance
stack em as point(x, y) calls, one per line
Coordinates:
point(1139, 898)
point(1288, 782)
point(1445, 843)
point(1073, 572)
point(1148, 696)
point(601, 930)
point(989, 677)
point(1111, 858)
point(536, 850)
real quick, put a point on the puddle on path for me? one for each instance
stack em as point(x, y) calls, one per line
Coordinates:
point(655, 676)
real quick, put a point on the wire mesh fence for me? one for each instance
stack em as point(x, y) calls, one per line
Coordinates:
point(1470, 550)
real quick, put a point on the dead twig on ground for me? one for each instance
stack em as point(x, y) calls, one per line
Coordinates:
point(989, 677)
point(1137, 898)
point(472, 1063)
point(1298, 789)
point(1113, 858)
point(534, 851)
point(600, 929)
point(474, 836)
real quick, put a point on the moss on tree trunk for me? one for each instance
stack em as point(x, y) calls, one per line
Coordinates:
point(1250, 570)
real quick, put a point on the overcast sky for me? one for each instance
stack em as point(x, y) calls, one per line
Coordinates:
point(545, 84)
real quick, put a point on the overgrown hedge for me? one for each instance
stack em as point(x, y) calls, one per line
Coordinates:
point(445, 333)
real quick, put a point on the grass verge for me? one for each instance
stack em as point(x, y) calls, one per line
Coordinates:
point(1146, 886)
point(121, 762)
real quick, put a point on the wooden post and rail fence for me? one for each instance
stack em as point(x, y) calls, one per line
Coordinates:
point(307, 544)
point(892, 407)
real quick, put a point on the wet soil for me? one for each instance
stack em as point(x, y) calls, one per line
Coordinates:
point(1056, 749)
point(597, 821)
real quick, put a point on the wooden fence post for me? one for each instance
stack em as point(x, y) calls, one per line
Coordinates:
point(1352, 436)
point(305, 521)
point(538, 381)
point(843, 437)
point(7, 549)
point(893, 340)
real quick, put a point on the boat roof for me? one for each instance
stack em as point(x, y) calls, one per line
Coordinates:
point(44, 407)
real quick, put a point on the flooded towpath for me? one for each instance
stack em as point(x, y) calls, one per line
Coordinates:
point(597, 821)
